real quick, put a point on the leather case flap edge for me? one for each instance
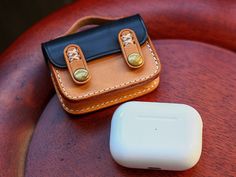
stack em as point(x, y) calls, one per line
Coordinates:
point(95, 42)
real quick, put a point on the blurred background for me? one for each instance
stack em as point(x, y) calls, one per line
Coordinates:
point(16, 16)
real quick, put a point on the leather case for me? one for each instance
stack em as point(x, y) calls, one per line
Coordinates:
point(110, 63)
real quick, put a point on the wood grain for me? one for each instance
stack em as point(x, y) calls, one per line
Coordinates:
point(194, 73)
point(197, 74)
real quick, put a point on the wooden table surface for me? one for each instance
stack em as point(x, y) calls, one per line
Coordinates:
point(38, 139)
point(193, 73)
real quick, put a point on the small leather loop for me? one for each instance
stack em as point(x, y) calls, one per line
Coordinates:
point(78, 67)
point(76, 64)
point(88, 20)
point(130, 48)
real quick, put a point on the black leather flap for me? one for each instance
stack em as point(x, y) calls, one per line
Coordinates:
point(95, 42)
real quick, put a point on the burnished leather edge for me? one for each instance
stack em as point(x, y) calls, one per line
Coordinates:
point(121, 96)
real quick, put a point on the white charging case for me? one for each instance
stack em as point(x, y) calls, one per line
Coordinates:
point(162, 136)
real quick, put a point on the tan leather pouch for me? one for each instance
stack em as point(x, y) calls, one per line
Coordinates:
point(103, 65)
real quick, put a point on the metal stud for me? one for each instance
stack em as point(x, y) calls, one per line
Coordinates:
point(135, 59)
point(81, 75)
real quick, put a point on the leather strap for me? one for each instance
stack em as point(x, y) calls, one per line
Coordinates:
point(76, 64)
point(132, 54)
point(88, 20)
point(81, 64)
point(129, 45)
point(130, 48)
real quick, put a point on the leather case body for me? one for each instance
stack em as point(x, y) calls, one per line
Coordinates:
point(112, 80)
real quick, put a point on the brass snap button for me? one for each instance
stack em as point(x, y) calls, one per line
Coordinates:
point(81, 75)
point(135, 59)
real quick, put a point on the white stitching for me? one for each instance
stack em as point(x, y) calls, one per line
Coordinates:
point(107, 102)
point(116, 86)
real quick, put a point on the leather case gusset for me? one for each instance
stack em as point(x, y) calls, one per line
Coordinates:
point(95, 42)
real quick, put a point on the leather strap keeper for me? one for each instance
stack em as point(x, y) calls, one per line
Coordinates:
point(104, 65)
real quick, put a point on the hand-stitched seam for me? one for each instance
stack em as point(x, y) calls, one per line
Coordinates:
point(116, 100)
point(113, 87)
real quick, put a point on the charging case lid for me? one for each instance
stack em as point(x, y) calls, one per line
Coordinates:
point(149, 135)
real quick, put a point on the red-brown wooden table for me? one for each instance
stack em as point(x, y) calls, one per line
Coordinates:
point(196, 42)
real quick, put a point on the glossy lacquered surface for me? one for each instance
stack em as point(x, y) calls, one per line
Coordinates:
point(68, 146)
point(199, 74)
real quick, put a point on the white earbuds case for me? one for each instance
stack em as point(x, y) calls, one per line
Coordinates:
point(162, 136)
